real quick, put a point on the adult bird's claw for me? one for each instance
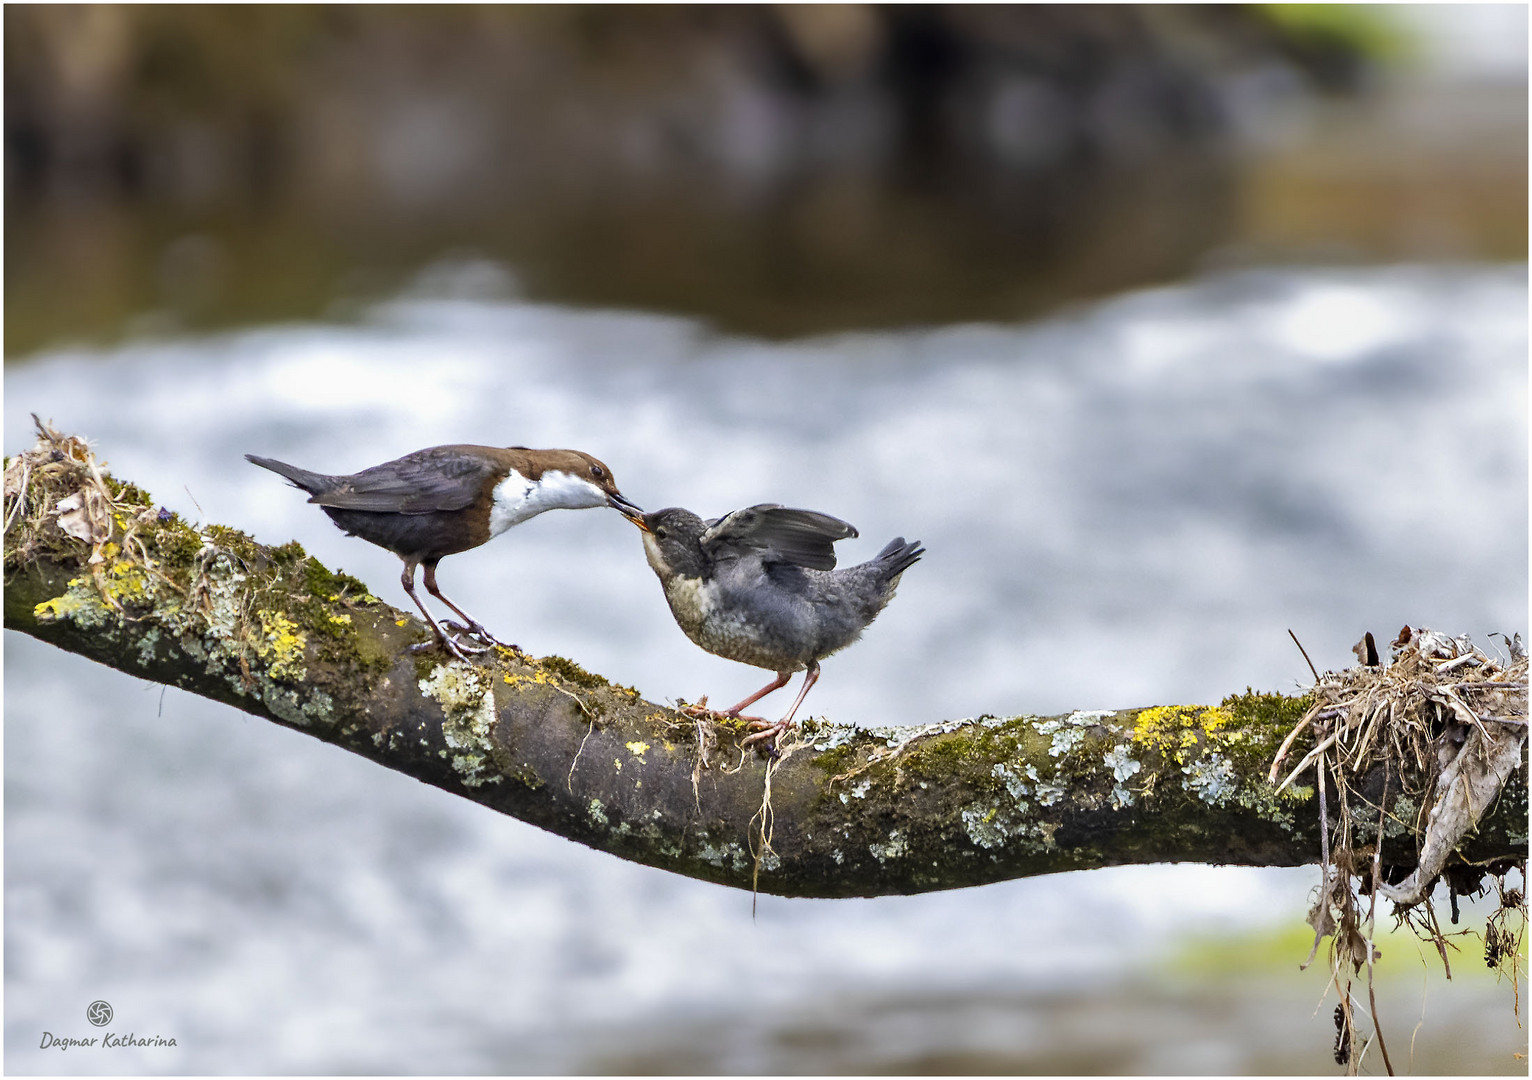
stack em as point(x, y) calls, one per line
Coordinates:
point(474, 629)
point(454, 647)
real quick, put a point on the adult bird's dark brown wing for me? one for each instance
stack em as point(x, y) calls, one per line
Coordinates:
point(440, 478)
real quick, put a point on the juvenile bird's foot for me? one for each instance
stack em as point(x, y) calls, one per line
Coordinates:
point(771, 731)
point(700, 711)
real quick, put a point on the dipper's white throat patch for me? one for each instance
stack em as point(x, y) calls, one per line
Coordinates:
point(516, 498)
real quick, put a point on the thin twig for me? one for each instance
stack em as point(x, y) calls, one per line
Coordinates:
point(1308, 759)
point(1308, 718)
point(699, 764)
point(569, 780)
point(1461, 708)
point(1366, 740)
point(1372, 926)
point(1438, 938)
point(575, 698)
point(1305, 653)
point(1467, 659)
point(1324, 821)
point(21, 494)
point(1324, 875)
point(767, 815)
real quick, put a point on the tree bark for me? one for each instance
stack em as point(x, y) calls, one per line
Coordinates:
point(844, 811)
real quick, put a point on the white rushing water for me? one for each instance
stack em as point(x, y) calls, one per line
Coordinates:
point(1127, 504)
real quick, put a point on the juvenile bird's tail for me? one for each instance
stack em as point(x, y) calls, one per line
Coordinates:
point(879, 576)
point(311, 482)
point(899, 556)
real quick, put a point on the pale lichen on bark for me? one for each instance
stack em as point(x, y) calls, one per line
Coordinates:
point(853, 810)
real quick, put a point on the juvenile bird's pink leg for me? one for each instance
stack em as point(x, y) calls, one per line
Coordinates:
point(734, 712)
point(771, 730)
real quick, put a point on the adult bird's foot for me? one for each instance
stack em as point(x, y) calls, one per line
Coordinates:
point(476, 629)
point(453, 647)
point(455, 633)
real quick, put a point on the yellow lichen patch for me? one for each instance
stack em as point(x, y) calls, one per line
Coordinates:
point(80, 604)
point(638, 750)
point(281, 646)
point(124, 582)
point(340, 620)
point(539, 678)
point(1172, 730)
point(543, 678)
point(63, 607)
point(365, 598)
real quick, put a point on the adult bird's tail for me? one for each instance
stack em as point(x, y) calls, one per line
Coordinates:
point(311, 482)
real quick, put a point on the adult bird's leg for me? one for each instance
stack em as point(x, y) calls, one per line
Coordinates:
point(475, 627)
point(407, 579)
point(734, 712)
point(772, 731)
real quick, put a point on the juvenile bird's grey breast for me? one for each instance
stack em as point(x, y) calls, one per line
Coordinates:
point(691, 601)
point(743, 612)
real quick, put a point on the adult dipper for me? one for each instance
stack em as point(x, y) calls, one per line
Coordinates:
point(445, 499)
point(760, 586)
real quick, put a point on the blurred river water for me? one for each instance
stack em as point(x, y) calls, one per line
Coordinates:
point(1127, 503)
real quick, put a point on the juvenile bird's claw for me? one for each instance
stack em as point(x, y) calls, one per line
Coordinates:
point(700, 711)
point(770, 731)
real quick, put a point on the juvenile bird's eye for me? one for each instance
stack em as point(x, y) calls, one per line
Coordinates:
point(595, 470)
point(659, 534)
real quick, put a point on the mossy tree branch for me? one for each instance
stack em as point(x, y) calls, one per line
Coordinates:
point(852, 812)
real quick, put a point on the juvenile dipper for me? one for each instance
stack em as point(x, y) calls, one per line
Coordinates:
point(445, 499)
point(760, 586)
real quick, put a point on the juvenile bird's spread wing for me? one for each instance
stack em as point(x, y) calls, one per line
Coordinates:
point(778, 534)
point(419, 483)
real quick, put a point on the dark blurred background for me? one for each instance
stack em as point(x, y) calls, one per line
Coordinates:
point(775, 169)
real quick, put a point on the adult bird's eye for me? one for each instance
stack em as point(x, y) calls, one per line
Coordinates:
point(595, 470)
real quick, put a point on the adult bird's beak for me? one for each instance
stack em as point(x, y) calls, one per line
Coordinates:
point(630, 510)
